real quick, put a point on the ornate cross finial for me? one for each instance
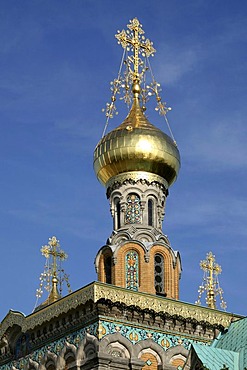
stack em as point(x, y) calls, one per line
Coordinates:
point(210, 283)
point(133, 81)
point(53, 273)
point(53, 250)
point(137, 42)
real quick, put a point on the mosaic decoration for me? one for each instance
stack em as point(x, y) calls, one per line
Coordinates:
point(53, 347)
point(133, 211)
point(100, 330)
point(135, 335)
point(131, 268)
point(22, 346)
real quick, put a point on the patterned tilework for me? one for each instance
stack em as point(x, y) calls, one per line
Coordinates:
point(100, 330)
point(135, 335)
point(54, 347)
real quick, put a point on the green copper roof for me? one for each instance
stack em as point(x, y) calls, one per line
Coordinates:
point(229, 349)
point(235, 339)
point(215, 358)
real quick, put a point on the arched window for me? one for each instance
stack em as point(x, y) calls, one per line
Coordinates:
point(133, 211)
point(22, 346)
point(117, 213)
point(150, 212)
point(69, 359)
point(107, 263)
point(178, 361)
point(50, 365)
point(159, 274)
point(150, 361)
point(132, 270)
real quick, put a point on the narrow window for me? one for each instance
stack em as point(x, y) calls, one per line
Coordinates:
point(133, 212)
point(159, 274)
point(150, 212)
point(108, 269)
point(131, 269)
point(117, 213)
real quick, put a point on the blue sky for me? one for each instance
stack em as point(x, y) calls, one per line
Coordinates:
point(57, 59)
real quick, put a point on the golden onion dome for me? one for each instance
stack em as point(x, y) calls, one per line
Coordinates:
point(136, 145)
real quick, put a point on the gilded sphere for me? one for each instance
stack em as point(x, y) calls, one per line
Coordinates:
point(136, 145)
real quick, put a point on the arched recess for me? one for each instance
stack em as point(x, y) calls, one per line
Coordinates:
point(159, 274)
point(171, 274)
point(133, 213)
point(67, 357)
point(90, 346)
point(103, 264)
point(150, 360)
point(117, 349)
point(121, 275)
point(151, 353)
point(117, 213)
point(49, 362)
point(13, 334)
point(50, 365)
point(178, 361)
point(132, 270)
point(32, 365)
point(176, 356)
point(117, 342)
point(151, 212)
point(154, 210)
point(22, 346)
point(108, 269)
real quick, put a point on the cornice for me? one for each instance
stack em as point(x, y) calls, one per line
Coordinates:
point(134, 178)
point(165, 305)
point(96, 291)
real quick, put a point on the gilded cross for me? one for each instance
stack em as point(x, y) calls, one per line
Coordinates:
point(53, 250)
point(53, 273)
point(137, 41)
point(212, 269)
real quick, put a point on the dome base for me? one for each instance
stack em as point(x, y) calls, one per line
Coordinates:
point(135, 176)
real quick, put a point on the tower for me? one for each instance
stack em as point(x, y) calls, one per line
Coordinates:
point(137, 163)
